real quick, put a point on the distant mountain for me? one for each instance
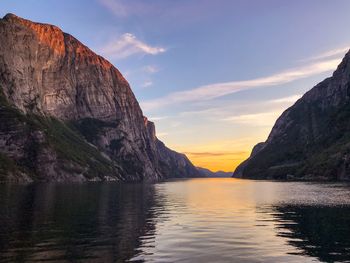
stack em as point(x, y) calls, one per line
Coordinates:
point(311, 139)
point(207, 173)
point(67, 114)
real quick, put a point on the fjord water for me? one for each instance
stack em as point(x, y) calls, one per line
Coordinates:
point(194, 220)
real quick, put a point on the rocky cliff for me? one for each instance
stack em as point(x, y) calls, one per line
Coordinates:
point(311, 139)
point(68, 114)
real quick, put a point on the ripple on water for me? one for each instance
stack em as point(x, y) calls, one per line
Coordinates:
point(199, 220)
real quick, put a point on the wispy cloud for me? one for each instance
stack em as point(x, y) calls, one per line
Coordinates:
point(264, 114)
point(289, 99)
point(330, 53)
point(147, 84)
point(127, 8)
point(162, 134)
point(272, 109)
point(215, 154)
point(150, 69)
point(158, 118)
point(216, 90)
point(207, 111)
point(128, 45)
point(209, 154)
point(115, 6)
point(255, 119)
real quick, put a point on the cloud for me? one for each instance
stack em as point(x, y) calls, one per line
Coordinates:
point(175, 124)
point(289, 99)
point(147, 84)
point(218, 154)
point(209, 154)
point(215, 109)
point(206, 112)
point(217, 90)
point(127, 8)
point(150, 69)
point(158, 118)
point(255, 119)
point(162, 134)
point(128, 45)
point(115, 6)
point(329, 54)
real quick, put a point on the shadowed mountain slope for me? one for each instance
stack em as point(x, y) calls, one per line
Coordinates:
point(68, 114)
point(311, 139)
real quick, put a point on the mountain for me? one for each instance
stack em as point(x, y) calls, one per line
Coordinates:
point(208, 173)
point(68, 114)
point(311, 139)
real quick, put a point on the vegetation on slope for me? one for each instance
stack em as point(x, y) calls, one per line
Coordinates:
point(69, 146)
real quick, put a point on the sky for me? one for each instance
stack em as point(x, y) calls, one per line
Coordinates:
point(213, 75)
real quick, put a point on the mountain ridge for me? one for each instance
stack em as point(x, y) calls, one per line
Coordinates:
point(69, 115)
point(209, 173)
point(310, 140)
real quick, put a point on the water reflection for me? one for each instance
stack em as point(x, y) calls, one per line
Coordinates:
point(97, 222)
point(317, 231)
point(199, 220)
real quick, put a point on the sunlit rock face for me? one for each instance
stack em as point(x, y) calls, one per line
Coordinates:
point(311, 139)
point(48, 76)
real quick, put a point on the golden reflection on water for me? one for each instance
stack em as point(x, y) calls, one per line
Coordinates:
point(189, 220)
point(215, 220)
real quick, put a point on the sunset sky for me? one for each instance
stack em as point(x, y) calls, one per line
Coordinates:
point(212, 75)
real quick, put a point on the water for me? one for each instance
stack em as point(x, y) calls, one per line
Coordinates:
point(195, 220)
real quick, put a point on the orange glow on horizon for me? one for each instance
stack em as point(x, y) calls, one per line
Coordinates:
point(224, 155)
point(222, 162)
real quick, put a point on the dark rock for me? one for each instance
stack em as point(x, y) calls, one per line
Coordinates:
point(208, 173)
point(311, 139)
point(68, 114)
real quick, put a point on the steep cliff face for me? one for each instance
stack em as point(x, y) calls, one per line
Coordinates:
point(77, 110)
point(311, 139)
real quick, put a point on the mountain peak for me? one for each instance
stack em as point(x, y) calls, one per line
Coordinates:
point(10, 16)
point(310, 140)
point(48, 73)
